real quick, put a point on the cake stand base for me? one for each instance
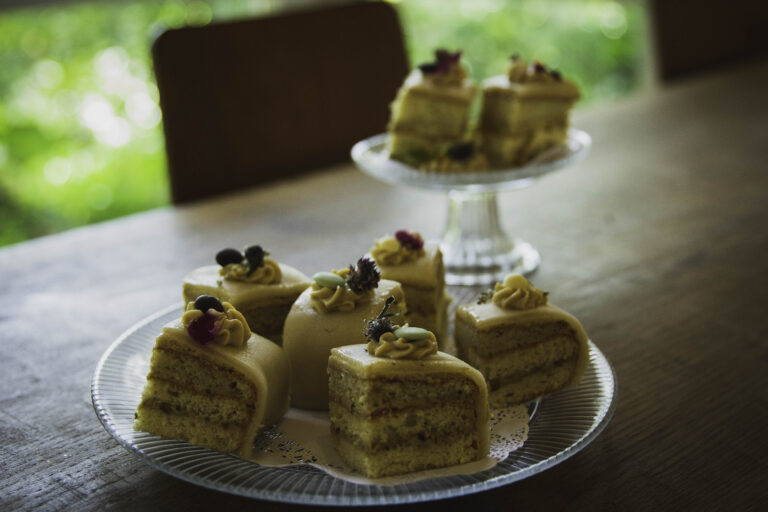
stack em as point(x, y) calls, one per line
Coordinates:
point(476, 250)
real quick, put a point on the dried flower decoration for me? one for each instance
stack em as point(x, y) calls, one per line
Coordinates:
point(205, 328)
point(485, 297)
point(255, 256)
point(363, 278)
point(381, 324)
point(409, 240)
point(442, 63)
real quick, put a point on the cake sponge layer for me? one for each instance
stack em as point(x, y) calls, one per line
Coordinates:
point(520, 146)
point(506, 392)
point(505, 114)
point(198, 374)
point(380, 396)
point(503, 338)
point(222, 437)
point(414, 148)
point(432, 111)
point(402, 426)
point(396, 460)
point(170, 399)
point(524, 360)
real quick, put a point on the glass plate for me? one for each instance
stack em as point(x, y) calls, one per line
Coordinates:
point(564, 423)
point(372, 157)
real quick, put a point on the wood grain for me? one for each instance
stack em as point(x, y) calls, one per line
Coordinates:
point(657, 242)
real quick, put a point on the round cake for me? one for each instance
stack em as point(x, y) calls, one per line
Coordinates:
point(332, 314)
point(259, 287)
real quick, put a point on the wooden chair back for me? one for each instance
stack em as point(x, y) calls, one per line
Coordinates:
point(693, 36)
point(253, 101)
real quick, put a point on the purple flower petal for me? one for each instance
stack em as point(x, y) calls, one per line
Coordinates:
point(205, 328)
point(410, 240)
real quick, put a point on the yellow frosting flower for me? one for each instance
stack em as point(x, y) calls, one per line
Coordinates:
point(390, 251)
point(393, 346)
point(341, 298)
point(517, 293)
point(269, 273)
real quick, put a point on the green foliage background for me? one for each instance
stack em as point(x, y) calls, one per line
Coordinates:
point(80, 129)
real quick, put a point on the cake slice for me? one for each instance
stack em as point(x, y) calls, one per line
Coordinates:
point(332, 313)
point(524, 346)
point(256, 285)
point(524, 112)
point(397, 405)
point(212, 382)
point(418, 267)
point(431, 111)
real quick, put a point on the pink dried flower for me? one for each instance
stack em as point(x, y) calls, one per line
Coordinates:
point(204, 328)
point(409, 240)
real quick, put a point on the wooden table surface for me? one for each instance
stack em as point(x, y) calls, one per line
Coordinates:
point(658, 242)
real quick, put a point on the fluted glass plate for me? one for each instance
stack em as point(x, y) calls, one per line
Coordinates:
point(564, 423)
point(372, 157)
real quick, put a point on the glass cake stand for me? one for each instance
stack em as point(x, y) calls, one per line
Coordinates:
point(476, 249)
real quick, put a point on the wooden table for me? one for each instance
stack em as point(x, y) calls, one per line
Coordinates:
point(658, 242)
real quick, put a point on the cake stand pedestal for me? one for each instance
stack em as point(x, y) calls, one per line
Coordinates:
point(476, 249)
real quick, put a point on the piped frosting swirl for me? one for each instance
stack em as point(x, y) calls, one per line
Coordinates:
point(521, 72)
point(393, 345)
point(268, 273)
point(446, 70)
point(390, 251)
point(221, 328)
point(516, 292)
point(325, 299)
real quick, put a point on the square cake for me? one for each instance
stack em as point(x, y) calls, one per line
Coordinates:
point(393, 416)
point(431, 111)
point(524, 112)
point(418, 267)
point(256, 285)
point(524, 347)
point(212, 382)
